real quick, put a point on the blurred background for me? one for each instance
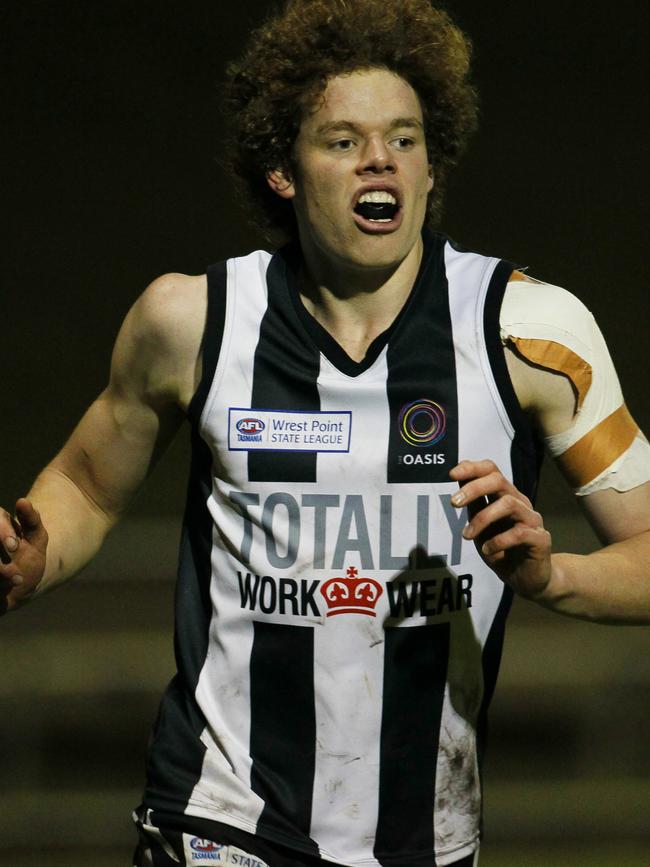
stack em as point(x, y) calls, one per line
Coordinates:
point(112, 176)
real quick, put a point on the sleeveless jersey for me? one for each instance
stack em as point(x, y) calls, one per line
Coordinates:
point(337, 639)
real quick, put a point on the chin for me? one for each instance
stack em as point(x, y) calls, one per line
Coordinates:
point(360, 250)
point(380, 252)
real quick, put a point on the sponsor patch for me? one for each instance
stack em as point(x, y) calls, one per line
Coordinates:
point(288, 431)
point(422, 423)
point(200, 851)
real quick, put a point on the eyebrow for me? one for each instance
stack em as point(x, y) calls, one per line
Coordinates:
point(345, 125)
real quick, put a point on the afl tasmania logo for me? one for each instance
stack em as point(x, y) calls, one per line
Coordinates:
point(200, 845)
point(250, 425)
point(422, 423)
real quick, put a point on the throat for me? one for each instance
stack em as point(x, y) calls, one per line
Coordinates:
point(354, 335)
point(356, 347)
point(356, 308)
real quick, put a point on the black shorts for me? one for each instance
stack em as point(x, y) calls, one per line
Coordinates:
point(166, 841)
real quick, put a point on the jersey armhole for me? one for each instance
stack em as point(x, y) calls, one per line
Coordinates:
point(212, 338)
point(526, 441)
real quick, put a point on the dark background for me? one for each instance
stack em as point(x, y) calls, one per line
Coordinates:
point(112, 177)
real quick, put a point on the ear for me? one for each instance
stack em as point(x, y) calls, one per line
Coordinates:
point(280, 182)
point(431, 179)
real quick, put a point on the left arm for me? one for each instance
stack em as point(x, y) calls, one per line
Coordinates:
point(611, 585)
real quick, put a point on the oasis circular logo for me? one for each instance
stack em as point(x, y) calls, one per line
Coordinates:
point(422, 423)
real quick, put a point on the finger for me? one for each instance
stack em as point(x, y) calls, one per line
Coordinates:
point(14, 589)
point(8, 539)
point(5, 559)
point(506, 511)
point(486, 488)
point(473, 506)
point(8, 547)
point(536, 540)
point(479, 479)
point(10, 582)
point(9, 601)
point(466, 470)
point(28, 517)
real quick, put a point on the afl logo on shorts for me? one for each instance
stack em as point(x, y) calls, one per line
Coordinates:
point(250, 425)
point(200, 845)
point(422, 423)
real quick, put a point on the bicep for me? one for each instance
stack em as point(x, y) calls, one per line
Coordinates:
point(618, 515)
point(120, 437)
point(114, 447)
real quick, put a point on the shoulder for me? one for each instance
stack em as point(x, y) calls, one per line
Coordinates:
point(158, 347)
point(537, 310)
point(551, 342)
point(172, 308)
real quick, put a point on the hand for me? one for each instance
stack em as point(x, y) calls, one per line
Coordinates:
point(23, 542)
point(509, 534)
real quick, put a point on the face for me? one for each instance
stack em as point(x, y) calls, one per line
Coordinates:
point(361, 175)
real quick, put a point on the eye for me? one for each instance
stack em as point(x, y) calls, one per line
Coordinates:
point(342, 144)
point(403, 142)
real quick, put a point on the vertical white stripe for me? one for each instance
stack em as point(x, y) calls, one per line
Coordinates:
point(481, 422)
point(223, 692)
point(483, 431)
point(365, 396)
point(348, 671)
point(349, 648)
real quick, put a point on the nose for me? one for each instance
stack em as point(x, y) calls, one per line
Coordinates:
point(376, 157)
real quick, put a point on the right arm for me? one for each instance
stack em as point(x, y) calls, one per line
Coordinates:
point(82, 493)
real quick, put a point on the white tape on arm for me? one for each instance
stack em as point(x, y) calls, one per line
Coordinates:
point(603, 448)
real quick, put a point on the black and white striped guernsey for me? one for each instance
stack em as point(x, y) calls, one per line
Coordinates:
point(337, 640)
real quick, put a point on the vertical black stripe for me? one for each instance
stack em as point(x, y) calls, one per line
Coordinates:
point(527, 450)
point(285, 371)
point(525, 456)
point(415, 673)
point(283, 730)
point(212, 336)
point(491, 661)
point(422, 378)
point(176, 752)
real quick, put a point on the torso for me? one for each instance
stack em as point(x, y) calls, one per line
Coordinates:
point(324, 580)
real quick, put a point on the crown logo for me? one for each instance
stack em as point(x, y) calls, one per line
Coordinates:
point(351, 595)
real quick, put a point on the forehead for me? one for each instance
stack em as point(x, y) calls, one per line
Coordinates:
point(368, 96)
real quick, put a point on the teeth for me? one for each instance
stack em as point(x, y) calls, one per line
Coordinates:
point(382, 197)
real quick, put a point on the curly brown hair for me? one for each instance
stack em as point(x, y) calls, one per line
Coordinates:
point(287, 64)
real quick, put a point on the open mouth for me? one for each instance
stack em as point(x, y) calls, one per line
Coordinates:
point(377, 206)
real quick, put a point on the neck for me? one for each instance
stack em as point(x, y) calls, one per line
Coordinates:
point(356, 305)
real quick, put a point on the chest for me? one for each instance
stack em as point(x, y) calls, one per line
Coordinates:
point(288, 404)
